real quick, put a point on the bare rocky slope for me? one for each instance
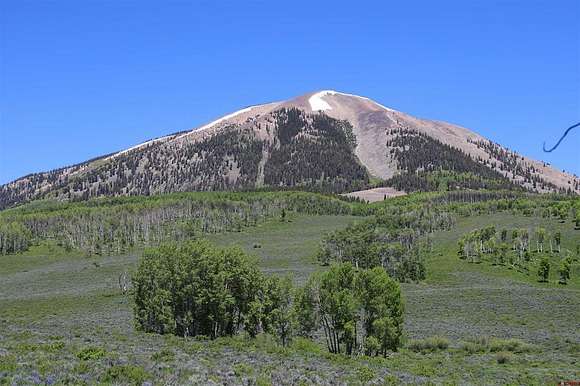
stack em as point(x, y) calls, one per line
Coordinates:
point(327, 141)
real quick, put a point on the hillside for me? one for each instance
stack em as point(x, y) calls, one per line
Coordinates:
point(325, 141)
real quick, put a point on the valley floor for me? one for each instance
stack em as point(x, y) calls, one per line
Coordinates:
point(63, 320)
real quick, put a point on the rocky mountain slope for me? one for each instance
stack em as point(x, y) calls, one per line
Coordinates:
point(326, 141)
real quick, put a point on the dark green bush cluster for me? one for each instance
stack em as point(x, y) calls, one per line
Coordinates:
point(91, 353)
point(388, 240)
point(360, 310)
point(196, 289)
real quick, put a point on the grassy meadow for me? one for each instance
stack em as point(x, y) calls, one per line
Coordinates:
point(63, 319)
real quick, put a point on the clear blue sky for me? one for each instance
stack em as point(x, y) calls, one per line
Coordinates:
point(84, 78)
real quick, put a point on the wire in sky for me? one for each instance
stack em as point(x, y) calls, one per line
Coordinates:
point(561, 138)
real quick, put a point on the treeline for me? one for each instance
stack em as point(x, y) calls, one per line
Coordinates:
point(510, 162)
point(444, 180)
point(115, 225)
point(470, 203)
point(195, 289)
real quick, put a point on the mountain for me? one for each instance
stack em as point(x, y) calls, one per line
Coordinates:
point(327, 141)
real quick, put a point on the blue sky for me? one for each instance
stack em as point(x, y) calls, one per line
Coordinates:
point(84, 78)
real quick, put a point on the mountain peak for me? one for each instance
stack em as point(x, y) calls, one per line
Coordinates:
point(319, 101)
point(335, 141)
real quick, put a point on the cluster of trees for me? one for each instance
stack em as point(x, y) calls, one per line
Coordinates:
point(444, 180)
point(471, 203)
point(14, 237)
point(194, 289)
point(563, 270)
point(197, 289)
point(514, 248)
point(486, 241)
point(360, 310)
point(564, 210)
point(315, 151)
point(480, 241)
point(114, 225)
point(427, 164)
point(362, 247)
point(390, 239)
point(512, 164)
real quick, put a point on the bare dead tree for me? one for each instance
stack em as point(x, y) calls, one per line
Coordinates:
point(124, 282)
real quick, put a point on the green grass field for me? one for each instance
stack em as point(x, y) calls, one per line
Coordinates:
point(286, 247)
point(63, 320)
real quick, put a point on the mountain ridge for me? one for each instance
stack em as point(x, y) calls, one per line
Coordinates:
point(293, 143)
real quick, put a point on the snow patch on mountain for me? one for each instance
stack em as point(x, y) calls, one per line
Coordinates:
point(317, 103)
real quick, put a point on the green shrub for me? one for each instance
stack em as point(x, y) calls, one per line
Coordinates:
point(82, 367)
point(472, 348)
point(564, 272)
point(544, 270)
point(477, 345)
point(511, 345)
point(371, 345)
point(53, 347)
point(264, 380)
point(365, 374)
point(304, 345)
point(435, 343)
point(91, 353)
point(484, 344)
point(503, 357)
point(8, 363)
point(126, 374)
point(164, 355)
point(242, 369)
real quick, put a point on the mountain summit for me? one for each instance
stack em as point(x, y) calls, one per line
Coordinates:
point(326, 140)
